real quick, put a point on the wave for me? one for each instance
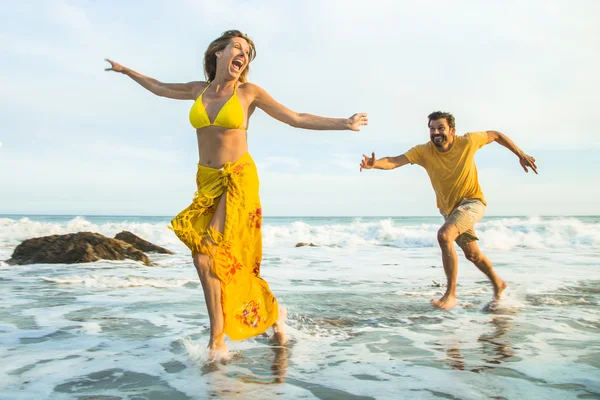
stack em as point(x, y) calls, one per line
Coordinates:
point(113, 282)
point(498, 234)
point(14, 231)
point(494, 233)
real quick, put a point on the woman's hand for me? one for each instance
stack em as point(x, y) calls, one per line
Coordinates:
point(358, 120)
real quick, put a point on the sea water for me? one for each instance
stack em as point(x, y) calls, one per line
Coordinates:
point(360, 322)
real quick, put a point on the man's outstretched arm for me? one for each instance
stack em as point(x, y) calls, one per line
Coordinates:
point(383, 163)
point(524, 159)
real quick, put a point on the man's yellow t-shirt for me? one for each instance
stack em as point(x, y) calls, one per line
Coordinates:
point(453, 174)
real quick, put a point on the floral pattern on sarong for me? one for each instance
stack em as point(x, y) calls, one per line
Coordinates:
point(249, 316)
point(230, 264)
point(256, 218)
point(256, 269)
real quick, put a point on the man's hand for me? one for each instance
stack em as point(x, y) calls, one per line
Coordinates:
point(367, 163)
point(114, 66)
point(528, 161)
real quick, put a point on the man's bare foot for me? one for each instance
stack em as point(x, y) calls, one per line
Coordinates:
point(445, 303)
point(499, 290)
point(279, 337)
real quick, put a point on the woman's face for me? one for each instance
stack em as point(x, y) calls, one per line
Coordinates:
point(234, 58)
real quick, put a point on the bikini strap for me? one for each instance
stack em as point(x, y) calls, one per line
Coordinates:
point(205, 89)
point(235, 88)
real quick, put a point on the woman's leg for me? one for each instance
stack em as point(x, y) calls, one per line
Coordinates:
point(212, 287)
point(279, 337)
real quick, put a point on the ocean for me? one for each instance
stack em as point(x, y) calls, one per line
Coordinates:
point(359, 318)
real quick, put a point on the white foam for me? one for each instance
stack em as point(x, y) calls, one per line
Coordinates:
point(552, 301)
point(106, 282)
point(197, 352)
point(499, 234)
point(91, 328)
point(15, 231)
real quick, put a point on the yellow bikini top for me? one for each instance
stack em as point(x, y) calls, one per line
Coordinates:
point(230, 116)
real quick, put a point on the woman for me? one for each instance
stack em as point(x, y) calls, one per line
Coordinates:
point(222, 225)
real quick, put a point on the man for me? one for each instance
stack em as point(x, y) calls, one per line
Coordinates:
point(450, 163)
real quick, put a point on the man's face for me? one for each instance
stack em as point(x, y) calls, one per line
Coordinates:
point(440, 133)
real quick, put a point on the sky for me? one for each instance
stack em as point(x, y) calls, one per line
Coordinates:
point(79, 140)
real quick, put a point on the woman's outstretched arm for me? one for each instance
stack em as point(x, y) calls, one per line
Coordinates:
point(268, 104)
point(177, 91)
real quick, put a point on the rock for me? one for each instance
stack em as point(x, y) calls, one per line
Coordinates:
point(140, 243)
point(302, 244)
point(73, 248)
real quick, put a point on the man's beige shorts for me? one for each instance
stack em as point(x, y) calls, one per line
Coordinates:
point(464, 217)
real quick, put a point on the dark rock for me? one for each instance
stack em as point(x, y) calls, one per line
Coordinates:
point(73, 248)
point(302, 244)
point(140, 243)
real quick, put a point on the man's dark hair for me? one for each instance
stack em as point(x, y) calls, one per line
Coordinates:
point(439, 115)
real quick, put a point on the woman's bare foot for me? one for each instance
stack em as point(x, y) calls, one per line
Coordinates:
point(498, 290)
point(218, 350)
point(279, 337)
point(445, 303)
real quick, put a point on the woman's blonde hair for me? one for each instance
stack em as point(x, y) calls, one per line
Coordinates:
point(219, 44)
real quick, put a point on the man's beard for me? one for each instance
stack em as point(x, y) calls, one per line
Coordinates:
point(439, 143)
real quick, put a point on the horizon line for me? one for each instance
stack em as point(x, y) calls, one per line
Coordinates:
point(294, 216)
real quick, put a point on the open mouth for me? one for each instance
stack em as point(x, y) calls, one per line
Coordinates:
point(237, 65)
point(438, 138)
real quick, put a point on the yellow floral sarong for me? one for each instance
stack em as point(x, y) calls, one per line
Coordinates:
point(249, 307)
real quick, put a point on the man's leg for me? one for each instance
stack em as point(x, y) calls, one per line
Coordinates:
point(473, 254)
point(446, 236)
